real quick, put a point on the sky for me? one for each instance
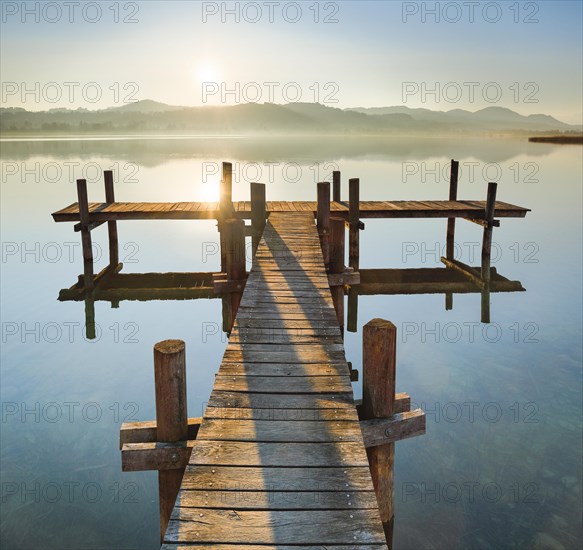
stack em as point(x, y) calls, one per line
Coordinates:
point(526, 56)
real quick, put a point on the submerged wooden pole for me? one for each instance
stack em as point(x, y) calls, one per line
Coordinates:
point(354, 223)
point(85, 234)
point(111, 225)
point(336, 186)
point(337, 266)
point(258, 212)
point(352, 313)
point(323, 219)
point(379, 346)
point(171, 416)
point(226, 209)
point(488, 228)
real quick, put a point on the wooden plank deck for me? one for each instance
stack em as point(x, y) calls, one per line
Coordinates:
point(100, 212)
point(279, 460)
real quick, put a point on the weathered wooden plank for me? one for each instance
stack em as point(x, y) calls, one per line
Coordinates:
point(290, 415)
point(295, 356)
point(380, 431)
point(289, 432)
point(243, 453)
point(137, 457)
point(284, 370)
point(274, 527)
point(281, 401)
point(279, 384)
point(144, 432)
point(278, 496)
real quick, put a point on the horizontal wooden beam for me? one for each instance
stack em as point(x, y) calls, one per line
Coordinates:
point(138, 457)
point(402, 403)
point(77, 227)
point(222, 285)
point(347, 278)
point(146, 432)
point(483, 223)
point(380, 431)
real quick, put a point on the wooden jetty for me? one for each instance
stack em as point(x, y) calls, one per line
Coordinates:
point(280, 454)
point(283, 457)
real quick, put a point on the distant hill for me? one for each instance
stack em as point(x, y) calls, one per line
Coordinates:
point(488, 119)
point(149, 116)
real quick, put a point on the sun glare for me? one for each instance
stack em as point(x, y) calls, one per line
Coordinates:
point(207, 72)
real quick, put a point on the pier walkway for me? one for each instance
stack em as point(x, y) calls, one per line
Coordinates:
point(279, 458)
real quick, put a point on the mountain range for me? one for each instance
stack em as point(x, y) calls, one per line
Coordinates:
point(149, 116)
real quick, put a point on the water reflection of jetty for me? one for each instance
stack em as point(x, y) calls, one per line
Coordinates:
point(283, 455)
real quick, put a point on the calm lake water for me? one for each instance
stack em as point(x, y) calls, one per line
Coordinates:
point(500, 464)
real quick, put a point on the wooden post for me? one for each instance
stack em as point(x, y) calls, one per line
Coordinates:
point(85, 235)
point(258, 212)
point(112, 225)
point(323, 219)
point(336, 186)
point(487, 237)
point(234, 230)
point(354, 222)
point(337, 266)
point(379, 346)
point(485, 304)
point(450, 239)
point(171, 416)
point(226, 210)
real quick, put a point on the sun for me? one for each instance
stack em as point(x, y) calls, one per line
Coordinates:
point(207, 72)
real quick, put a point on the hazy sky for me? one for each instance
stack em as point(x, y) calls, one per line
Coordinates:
point(523, 55)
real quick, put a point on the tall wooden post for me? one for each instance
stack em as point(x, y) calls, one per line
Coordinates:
point(337, 266)
point(85, 235)
point(323, 219)
point(258, 212)
point(450, 237)
point(354, 223)
point(226, 209)
point(379, 347)
point(171, 416)
point(234, 230)
point(112, 225)
point(336, 186)
point(488, 227)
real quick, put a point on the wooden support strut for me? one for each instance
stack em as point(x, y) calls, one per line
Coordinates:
point(336, 186)
point(382, 422)
point(171, 418)
point(234, 230)
point(112, 225)
point(226, 209)
point(85, 234)
point(323, 219)
point(258, 212)
point(487, 237)
point(336, 266)
point(354, 223)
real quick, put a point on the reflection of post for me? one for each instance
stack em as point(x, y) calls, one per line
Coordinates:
point(85, 235)
point(352, 317)
point(336, 186)
point(323, 219)
point(89, 315)
point(111, 225)
point(450, 238)
point(258, 212)
point(171, 419)
point(337, 266)
point(379, 346)
point(485, 309)
point(353, 223)
point(488, 227)
point(234, 230)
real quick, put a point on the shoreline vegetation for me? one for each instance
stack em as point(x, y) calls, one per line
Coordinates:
point(565, 139)
point(268, 119)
